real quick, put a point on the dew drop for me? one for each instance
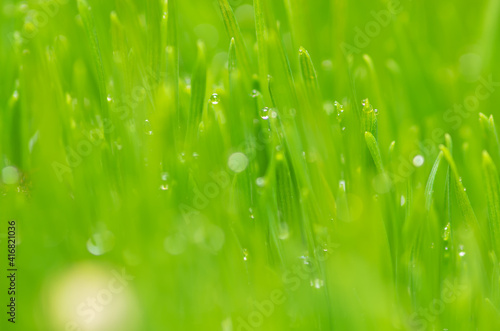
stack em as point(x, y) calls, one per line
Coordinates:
point(245, 254)
point(214, 99)
point(264, 113)
point(260, 182)
point(147, 128)
point(317, 283)
point(255, 93)
point(447, 231)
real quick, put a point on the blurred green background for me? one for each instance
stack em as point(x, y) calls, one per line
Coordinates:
point(163, 177)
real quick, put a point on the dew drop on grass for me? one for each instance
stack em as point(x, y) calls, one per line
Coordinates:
point(10, 175)
point(317, 283)
point(461, 252)
point(245, 254)
point(260, 182)
point(255, 93)
point(447, 231)
point(164, 176)
point(214, 99)
point(418, 161)
point(403, 200)
point(237, 162)
point(101, 243)
point(148, 128)
point(264, 113)
point(182, 158)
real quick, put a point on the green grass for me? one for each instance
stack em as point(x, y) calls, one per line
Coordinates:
point(251, 165)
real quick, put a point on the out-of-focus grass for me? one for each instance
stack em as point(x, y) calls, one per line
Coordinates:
point(230, 156)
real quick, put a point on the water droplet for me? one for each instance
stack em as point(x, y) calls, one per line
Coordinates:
point(264, 113)
point(274, 114)
point(251, 213)
point(182, 158)
point(255, 93)
point(164, 187)
point(343, 128)
point(418, 161)
point(403, 200)
point(245, 254)
point(101, 243)
point(461, 249)
point(110, 99)
point(147, 128)
point(305, 259)
point(195, 155)
point(214, 99)
point(342, 185)
point(447, 231)
point(10, 175)
point(260, 182)
point(317, 283)
point(175, 244)
point(237, 162)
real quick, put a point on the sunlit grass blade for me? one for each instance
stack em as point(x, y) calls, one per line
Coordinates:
point(493, 197)
point(198, 91)
point(233, 30)
point(429, 187)
point(374, 149)
point(309, 75)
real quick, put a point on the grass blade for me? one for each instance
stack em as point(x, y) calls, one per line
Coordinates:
point(493, 197)
point(374, 149)
point(233, 30)
point(429, 187)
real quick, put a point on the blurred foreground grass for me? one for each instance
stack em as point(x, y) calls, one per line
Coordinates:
point(265, 165)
